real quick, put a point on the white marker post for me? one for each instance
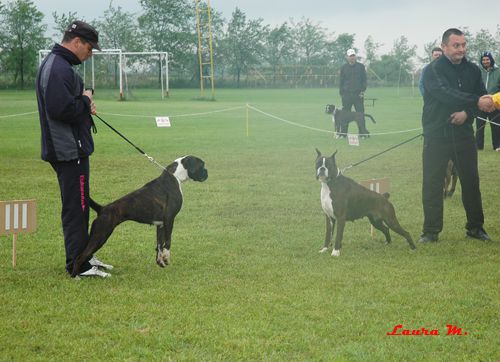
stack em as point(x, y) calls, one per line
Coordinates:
point(163, 122)
point(353, 139)
point(380, 186)
point(17, 217)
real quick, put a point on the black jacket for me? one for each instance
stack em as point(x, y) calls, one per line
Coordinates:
point(65, 119)
point(352, 79)
point(450, 88)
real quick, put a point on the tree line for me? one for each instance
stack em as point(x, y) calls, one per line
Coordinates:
point(246, 52)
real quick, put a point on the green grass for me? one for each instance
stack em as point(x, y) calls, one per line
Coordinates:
point(247, 281)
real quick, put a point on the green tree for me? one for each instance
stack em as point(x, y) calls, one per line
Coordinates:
point(278, 47)
point(61, 22)
point(21, 38)
point(371, 49)
point(337, 49)
point(169, 25)
point(310, 41)
point(119, 29)
point(244, 43)
point(480, 42)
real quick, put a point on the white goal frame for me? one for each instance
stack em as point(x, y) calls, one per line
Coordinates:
point(165, 88)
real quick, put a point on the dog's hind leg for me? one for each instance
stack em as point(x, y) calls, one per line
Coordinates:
point(101, 229)
point(394, 225)
point(330, 226)
point(379, 225)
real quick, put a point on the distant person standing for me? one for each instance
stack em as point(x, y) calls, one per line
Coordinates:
point(353, 84)
point(65, 110)
point(454, 94)
point(436, 53)
point(491, 79)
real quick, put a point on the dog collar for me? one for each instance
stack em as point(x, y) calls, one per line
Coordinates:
point(338, 174)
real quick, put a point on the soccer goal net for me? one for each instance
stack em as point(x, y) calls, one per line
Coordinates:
point(124, 71)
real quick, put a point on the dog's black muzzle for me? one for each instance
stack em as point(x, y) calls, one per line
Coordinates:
point(200, 175)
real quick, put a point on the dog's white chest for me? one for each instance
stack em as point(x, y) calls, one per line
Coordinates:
point(326, 200)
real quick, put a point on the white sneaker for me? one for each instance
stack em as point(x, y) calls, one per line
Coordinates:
point(96, 262)
point(497, 149)
point(94, 272)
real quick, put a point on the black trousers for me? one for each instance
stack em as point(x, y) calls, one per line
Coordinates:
point(435, 156)
point(495, 130)
point(353, 99)
point(73, 178)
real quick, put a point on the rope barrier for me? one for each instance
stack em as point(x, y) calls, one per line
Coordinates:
point(327, 131)
point(17, 115)
point(175, 116)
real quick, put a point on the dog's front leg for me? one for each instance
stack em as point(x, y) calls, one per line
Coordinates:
point(330, 226)
point(338, 238)
point(164, 241)
point(162, 254)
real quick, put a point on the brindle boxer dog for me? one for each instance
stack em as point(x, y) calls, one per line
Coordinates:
point(156, 203)
point(342, 119)
point(343, 199)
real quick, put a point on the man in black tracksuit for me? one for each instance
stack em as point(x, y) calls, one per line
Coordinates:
point(453, 90)
point(352, 85)
point(65, 120)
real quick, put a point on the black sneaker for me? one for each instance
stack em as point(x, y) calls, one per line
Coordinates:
point(478, 233)
point(428, 238)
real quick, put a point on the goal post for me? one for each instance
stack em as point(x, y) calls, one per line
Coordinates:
point(127, 61)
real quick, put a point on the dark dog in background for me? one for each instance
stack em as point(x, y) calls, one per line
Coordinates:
point(156, 203)
point(342, 119)
point(450, 178)
point(343, 199)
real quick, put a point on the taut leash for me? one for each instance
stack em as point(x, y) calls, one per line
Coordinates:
point(378, 154)
point(132, 144)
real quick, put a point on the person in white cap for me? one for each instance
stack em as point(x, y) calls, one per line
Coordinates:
point(352, 84)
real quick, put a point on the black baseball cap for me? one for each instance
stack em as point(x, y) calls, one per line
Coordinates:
point(85, 31)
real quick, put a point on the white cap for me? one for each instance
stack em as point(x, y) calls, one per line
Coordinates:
point(351, 52)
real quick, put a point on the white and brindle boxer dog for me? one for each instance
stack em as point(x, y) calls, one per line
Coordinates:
point(343, 199)
point(156, 203)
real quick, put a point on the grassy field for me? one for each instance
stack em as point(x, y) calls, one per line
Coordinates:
point(246, 280)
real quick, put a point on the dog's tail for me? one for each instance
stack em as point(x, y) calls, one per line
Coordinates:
point(386, 195)
point(369, 116)
point(95, 206)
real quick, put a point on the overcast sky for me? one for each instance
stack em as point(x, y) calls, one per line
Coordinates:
point(385, 20)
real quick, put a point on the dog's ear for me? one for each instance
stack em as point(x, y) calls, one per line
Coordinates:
point(318, 152)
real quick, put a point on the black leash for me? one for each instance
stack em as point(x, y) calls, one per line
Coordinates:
point(130, 142)
point(380, 153)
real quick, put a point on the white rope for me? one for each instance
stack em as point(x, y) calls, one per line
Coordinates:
point(289, 122)
point(175, 116)
point(487, 120)
point(327, 131)
point(17, 115)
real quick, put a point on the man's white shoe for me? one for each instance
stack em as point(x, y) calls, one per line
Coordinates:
point(96, 262)
point(94, 272)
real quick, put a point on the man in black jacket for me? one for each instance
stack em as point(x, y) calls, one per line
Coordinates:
point(65, 110)
point(352, 85)
point(453, 95)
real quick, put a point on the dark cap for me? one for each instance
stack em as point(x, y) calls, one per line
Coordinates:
point(85, 31)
